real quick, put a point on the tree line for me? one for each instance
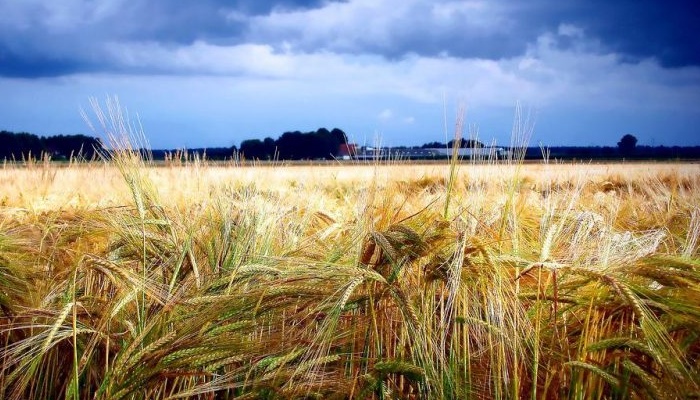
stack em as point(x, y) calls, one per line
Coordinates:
point(314, 145)
point(19, 146)
point(295, 145)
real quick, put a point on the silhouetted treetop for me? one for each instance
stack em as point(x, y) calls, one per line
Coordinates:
point(467, 144)
point(296, 145)
point(627, 144)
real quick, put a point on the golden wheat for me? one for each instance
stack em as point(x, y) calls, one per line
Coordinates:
point(482, 280)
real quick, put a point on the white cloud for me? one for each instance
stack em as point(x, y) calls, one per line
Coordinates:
point(586, 77)
point(359, 26)
point(386, 115)
point(544, 75)
point(570, 30)
point(56, 16)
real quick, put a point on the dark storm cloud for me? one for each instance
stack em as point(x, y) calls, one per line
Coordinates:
point(43, 40)
point(665, 30)
point(18, 67)
point(50, 39)
point(434, 28)
point(636, 29)
point(185, 22)
point(256, 7)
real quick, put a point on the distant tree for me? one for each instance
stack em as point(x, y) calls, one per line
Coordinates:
point(323, 143)
point(292, 146)
point(270, 147)
point(253, 149)
point(466, 143)
point(21, 145)
point(256, 149)
point(472, 144)
point(339, 136)
point(310, 145)
point(66, 146)
point(627, 144)
point(433, 145)
point(296, 145)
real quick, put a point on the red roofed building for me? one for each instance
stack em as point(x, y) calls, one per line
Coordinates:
point(347, 151)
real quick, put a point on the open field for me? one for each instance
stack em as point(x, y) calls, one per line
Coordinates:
point(122, 281)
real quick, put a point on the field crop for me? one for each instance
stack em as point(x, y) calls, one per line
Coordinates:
point(123, 280)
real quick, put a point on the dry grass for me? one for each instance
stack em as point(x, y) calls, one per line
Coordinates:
point(121, 280)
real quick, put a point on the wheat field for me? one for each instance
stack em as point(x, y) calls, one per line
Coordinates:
point(126, 280)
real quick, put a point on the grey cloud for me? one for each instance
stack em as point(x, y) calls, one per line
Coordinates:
point(185, 22)
point(42, 39)
point(255, 7)
point(47, 39)
point(634, 29)
point(427, 28)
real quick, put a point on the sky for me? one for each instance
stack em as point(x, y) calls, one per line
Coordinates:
point(395, 72)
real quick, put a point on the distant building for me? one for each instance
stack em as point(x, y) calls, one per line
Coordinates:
point(347, 151)
point(483, 153)
point(489, 152)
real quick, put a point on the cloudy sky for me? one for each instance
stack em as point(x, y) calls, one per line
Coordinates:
point(215, 72)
